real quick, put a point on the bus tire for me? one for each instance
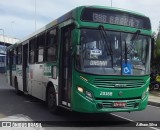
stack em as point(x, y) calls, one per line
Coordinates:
point(51, 100)
point(18, 92)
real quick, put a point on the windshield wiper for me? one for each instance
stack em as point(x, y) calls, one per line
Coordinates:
point(125, 52)
point(134, 38)
point(108, 44)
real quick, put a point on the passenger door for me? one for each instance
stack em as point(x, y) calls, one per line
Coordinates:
point(65, 81)
point(25, 65)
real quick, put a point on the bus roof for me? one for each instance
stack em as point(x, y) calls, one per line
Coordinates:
point(115, 8)
point(70, 15)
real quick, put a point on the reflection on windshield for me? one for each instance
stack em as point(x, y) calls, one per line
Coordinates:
point(129, 57)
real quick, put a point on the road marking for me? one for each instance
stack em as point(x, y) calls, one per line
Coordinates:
point(123, 117)
point(17, 117)
point(132, 120)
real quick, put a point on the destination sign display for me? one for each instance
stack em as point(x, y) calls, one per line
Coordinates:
point(115, 17)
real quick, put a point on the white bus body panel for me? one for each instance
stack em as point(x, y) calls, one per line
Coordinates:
point(36, 83)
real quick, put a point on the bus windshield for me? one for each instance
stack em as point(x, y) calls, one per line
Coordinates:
point(113, 53)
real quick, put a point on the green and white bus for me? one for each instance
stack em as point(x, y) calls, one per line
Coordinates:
point(93, 59)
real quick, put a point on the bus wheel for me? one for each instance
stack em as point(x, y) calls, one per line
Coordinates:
point(51, 100)
point(18, 92)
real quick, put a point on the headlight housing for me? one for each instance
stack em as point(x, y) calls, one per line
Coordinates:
point(86, 93)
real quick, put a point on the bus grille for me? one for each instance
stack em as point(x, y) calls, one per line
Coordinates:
point(118, 83)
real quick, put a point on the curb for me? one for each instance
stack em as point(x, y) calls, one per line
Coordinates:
point(154, 103)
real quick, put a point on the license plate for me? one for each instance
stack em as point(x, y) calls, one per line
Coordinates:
point(119, 104)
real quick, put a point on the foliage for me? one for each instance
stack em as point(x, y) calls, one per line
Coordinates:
point(156, 60)
point(157, 47)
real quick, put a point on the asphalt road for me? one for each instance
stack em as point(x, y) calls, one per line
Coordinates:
point(27, 108)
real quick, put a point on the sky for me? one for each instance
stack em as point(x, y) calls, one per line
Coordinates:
point(17, 17)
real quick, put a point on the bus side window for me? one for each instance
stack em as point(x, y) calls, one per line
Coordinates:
point(32, 45)
point(19, 55)
point(40, 47)
point(51, 45)
point(14, 56)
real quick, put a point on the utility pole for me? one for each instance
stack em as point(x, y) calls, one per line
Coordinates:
point(12, 28)
point(111, 3)
point(35, 15)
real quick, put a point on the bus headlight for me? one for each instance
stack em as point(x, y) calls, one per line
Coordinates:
point(84, 92)
point(80, 89)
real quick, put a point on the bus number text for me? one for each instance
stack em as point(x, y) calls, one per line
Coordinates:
point(105, 93)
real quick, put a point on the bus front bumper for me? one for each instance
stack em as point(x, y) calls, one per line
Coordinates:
point(84, 104)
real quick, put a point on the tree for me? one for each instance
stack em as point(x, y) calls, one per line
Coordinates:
point(157, 46)
point(156, 59)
